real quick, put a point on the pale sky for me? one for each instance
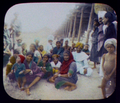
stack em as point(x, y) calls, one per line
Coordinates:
point(35, 16)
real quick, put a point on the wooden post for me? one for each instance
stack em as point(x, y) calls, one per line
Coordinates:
point(80, 25)
point(73, 34)
point(67, 27)
point(89, 24)
point(70, 30)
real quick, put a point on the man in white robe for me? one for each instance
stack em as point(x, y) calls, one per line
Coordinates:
point(81, 62)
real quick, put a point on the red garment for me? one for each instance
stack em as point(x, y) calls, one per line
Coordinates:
point(65, 65)
point(22, 58)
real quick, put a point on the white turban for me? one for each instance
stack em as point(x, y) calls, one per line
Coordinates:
point(112, 41)
point(101, 14)
point(66, 39)
point(50, 37)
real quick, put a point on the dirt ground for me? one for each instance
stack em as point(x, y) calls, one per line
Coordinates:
point(87, 87)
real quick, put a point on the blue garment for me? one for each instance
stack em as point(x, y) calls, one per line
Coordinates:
point(18, 68)
point(59, 52)
point(35, 59)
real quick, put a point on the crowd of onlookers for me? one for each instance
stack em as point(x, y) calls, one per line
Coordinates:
point(61, 63)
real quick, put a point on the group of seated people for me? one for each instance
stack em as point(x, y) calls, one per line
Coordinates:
point(60, 66)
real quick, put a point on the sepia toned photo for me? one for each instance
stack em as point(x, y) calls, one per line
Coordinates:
point(60, 51)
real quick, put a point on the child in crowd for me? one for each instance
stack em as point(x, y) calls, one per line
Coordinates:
point(109, 66)
point(73, 49)
point(19, 69)
point(86, 49)
point(37, 57)
point(24, 50)
point(45, 66)
point(55, 63)
point(41, 50)
point(12, 61)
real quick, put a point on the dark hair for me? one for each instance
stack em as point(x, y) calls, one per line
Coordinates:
point(40, 46)
point(23, 43)
point(61, 39)
point(58, 42)
point(32, 44)
point(96, 20)
point(67, 51)
point(110, 16)
point(16, 51)
point(47, 56)
point(30, 53)
point(87, 44)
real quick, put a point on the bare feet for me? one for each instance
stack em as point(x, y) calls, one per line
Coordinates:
point(51, 80)
point(19, 86)
point(22, 89)
point(72, 88)
point(27, 91)
point(67, 88)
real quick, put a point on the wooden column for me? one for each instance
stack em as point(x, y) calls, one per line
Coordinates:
point(70, 30)
point(89, 24)
point(80, 25)
point(73, 34)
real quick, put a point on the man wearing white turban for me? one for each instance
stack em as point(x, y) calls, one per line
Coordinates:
point(50, 45)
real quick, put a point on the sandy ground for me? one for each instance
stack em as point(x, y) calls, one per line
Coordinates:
point(87, 87)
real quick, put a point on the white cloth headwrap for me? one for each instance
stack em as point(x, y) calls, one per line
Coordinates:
point(66, 39)
point(50, 37)
point(112, 41)
point(101, 14)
